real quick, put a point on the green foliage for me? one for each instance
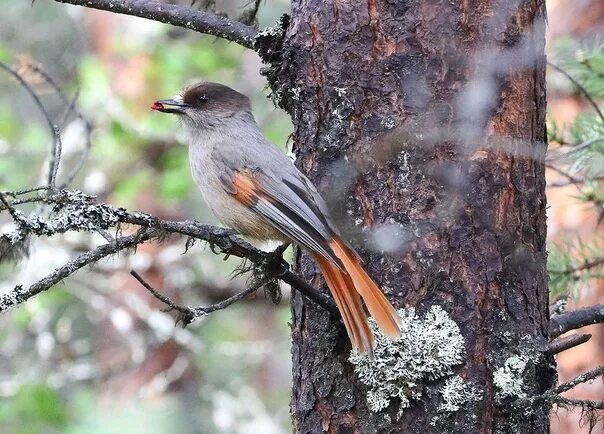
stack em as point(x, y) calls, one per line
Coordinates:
point(36, 408)
point(155, 417)
point(573, 263)
point(580, 158)
point(175, 182)
point(4, 52)
point(589, 66)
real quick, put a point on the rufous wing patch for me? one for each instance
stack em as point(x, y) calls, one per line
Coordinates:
point(247, 191)
point(260, 196)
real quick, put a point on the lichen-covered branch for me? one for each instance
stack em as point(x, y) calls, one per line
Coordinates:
point(560, 324)
point(553, 396)
point(76, 211)
point(180, 16)
point(583, 378)
point(20, 295)
point(586, 404)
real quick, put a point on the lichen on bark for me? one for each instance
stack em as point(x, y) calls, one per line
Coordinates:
point(428, 349)
point(405, 146)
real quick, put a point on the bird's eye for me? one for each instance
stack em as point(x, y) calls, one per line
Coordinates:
point(203, 98)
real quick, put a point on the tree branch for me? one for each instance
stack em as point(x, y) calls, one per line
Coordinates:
point(189, 314)
point(574, 181)
point(75, 211)
point(559, 155)
point(581, 88)
point(55, 149)
point(587, 265)
point(20, 295)
point(566, 343)
point(71, 106)
point(560, 324)
point(553, 396)
point(586, 404)
point(180, 16)
point(583, 378)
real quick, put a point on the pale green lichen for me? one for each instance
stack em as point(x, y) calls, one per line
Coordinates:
point(296, 92)
point(340, 91)
point(388, 123)
point(508, 379)
point(276, 31)
point(427, 350)
point(457, 393)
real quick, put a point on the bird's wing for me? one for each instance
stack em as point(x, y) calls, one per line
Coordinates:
point(289, 202)
point(294, 211)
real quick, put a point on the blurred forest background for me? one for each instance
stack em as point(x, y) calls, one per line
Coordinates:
point(97, 354)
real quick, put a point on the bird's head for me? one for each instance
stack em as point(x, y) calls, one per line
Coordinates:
point(206, 105)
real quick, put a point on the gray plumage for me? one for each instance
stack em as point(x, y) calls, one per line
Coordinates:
point(225, 139)
point(254, 188)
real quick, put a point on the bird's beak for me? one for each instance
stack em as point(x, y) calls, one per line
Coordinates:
point(175, 105)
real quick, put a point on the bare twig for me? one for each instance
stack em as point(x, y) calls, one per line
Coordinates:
point(583, 378)
point(25, 191)
point(571, 179)
point(574, 181)
point(225, 303)
point(587, 265)
point(553, 156)
point(576, 319)
point(189, 314)
point(49, 80)
point(71, 106)
point(180, 16)
point(55, 157)
point(55, 150)
point(579, 86)
point(20, 295)
point(566, 343)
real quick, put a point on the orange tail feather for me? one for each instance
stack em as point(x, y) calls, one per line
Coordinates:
point(378, 305)
point(349, 304)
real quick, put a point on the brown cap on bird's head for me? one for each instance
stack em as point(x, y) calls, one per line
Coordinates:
point(207, 97)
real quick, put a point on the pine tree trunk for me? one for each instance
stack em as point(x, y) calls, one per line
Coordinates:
point(423, 123)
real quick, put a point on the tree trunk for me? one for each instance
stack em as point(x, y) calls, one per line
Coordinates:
point(422, 122)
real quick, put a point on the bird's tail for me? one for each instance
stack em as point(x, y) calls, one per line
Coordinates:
point(347, 288)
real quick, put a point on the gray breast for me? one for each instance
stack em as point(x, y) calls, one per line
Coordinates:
point(225, 207)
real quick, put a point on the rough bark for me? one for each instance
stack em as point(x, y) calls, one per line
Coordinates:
point(426, 116)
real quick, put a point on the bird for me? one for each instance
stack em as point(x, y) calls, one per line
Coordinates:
point(254, 188)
